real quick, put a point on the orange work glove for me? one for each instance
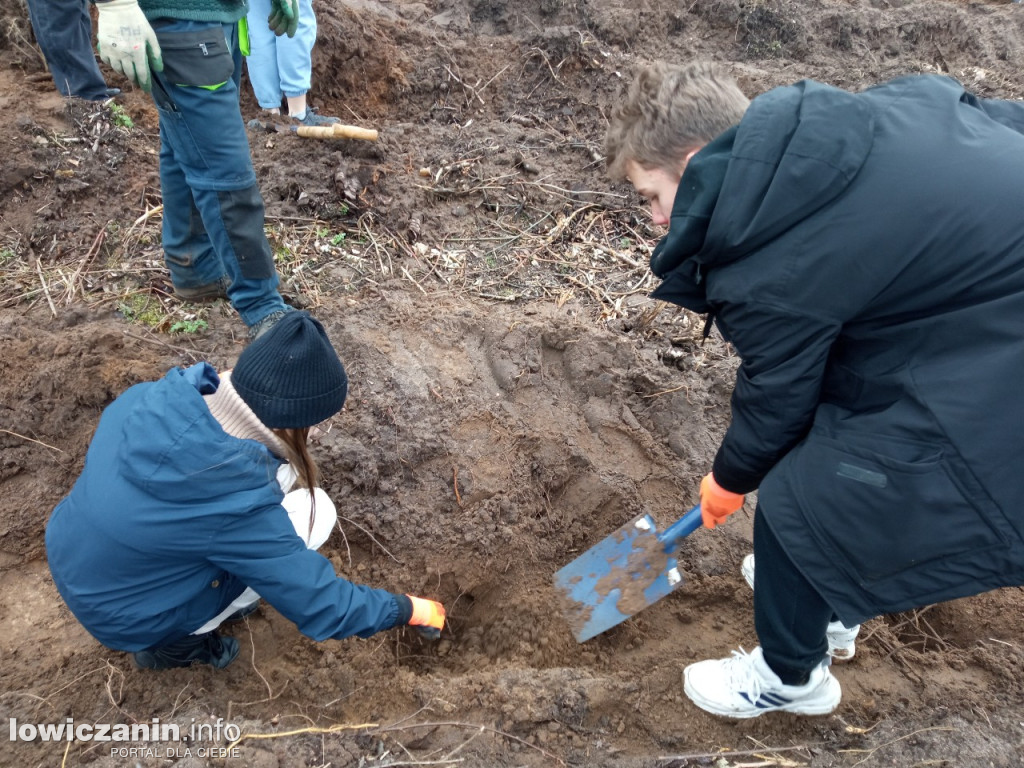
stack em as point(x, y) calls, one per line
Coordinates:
point(716, 503)
point(427, 617)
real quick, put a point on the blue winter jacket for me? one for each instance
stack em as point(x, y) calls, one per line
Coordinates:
point(172, 518)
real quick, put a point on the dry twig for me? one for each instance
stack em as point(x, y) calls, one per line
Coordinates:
point(29, 439)
point(735, 753)
point(46, 290)
point(299, 731)
point(870, 752)
point(372, 538)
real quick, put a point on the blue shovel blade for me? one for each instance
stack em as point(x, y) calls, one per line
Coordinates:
point(617, 578)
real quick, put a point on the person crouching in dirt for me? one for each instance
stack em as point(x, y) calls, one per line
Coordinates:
point(864, 254)
point(179, 520)
point(188, 56)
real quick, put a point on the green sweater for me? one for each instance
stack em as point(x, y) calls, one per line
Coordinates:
point(224, 11)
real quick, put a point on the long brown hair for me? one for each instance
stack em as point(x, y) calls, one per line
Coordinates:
point(296, 447)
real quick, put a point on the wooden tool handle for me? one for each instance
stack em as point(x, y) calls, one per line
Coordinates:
point(354, 132)
point(315, 131)
point(336, 131)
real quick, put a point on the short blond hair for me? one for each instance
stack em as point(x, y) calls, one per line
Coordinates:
point(669, 110)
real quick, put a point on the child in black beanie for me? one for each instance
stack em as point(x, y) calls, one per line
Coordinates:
point(180, 520)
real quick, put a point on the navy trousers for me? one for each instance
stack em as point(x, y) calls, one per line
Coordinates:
point(63, 30)
point(790, 617)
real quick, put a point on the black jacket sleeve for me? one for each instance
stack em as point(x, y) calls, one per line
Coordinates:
point(778, 388)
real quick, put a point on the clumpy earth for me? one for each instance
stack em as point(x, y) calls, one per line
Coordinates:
point(516, 397)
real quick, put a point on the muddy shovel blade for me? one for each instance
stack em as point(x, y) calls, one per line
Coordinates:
point(622, 575)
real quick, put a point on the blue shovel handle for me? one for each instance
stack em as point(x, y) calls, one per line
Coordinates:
point(681, 528)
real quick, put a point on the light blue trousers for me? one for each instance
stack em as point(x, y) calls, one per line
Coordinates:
point(279, 65)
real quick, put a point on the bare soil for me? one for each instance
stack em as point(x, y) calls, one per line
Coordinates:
point(515, 398)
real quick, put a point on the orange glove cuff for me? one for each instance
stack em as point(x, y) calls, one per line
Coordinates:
point(426, 613)
point(716, 503)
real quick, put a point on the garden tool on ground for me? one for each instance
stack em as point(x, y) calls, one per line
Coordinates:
point(336, 131)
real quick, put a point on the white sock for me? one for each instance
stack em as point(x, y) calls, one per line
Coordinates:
point(300, 115)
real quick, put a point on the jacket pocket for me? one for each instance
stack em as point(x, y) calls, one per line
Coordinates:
point(198, 58)
point(890, 508)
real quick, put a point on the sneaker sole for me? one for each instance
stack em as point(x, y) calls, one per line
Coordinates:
point(796, 708)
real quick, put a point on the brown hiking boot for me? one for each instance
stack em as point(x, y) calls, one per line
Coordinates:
point(206, 292)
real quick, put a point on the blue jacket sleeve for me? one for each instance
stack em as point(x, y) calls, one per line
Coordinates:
point(1005, 112)
point(263, 551)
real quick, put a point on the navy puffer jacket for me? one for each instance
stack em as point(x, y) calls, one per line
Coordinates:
point(864, 253)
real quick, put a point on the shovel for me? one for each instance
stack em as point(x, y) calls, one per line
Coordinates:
point(622, 575)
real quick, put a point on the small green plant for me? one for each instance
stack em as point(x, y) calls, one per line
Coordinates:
point(121, 118)
point(338, 239)
point(194, 325)
point(322, 232)
point(7, 256)
point(139, 308)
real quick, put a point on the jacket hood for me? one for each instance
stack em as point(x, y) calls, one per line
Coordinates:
point(795, 150)
point(170, 442)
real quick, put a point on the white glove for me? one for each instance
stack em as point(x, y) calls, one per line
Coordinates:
point(126, 41)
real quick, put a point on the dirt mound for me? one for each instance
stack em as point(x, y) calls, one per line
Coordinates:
point(515, 397)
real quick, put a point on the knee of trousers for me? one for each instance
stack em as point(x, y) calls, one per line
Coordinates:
point(242, 212)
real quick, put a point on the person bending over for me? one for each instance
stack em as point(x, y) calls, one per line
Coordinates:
point(180, 520)
point(864, 254)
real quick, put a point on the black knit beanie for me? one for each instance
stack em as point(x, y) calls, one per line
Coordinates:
point(291, 376)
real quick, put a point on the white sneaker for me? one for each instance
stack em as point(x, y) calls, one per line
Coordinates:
point(842, 640)
point(747, 566)
point(744, 686)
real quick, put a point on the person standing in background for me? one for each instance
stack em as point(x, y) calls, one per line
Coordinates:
point(188, 55)
point(63, 30)
point(283, 66)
